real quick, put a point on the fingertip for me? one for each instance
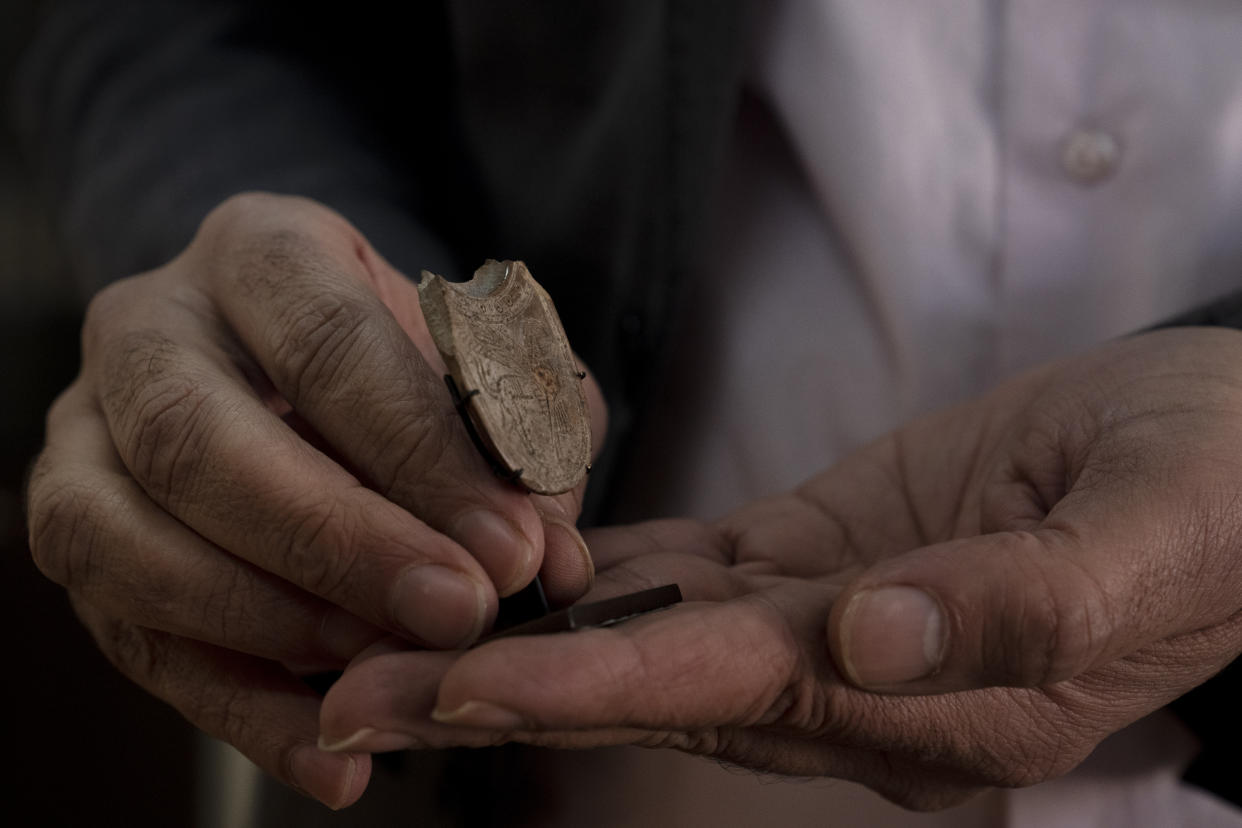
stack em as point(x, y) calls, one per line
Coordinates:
point(441, 606)
point(507, 550)
point(887, 636)
point(336, 780)
point(998, 610)
point(568, 571)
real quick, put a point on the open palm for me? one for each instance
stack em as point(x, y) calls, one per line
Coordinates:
point(1018, 577)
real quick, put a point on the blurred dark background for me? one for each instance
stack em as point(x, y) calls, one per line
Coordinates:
point(88, 747)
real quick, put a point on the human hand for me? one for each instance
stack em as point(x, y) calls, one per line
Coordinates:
point(259, 471)
point(1017, 577)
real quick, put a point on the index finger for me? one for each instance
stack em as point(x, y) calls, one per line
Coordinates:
point(688, 667)
point(298, 285)
point(692, 666)
point(207, 450)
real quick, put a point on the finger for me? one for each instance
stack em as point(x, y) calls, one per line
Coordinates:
point(375, 693)
point(253, 705)
point(95, 531)
point(568, 570)
point(348, 722)
point(299, 289)
point(387, 694)
point(696, 678)
point(210, 452)
point(386, 689)
point(715, 561)
point(689, 667)
point(1025, 609)
point(1126, 484)
point(800, 529)
point(392, 667)
point(933, 617)
point(601, 680)
point(616, 546)
point(417, 674)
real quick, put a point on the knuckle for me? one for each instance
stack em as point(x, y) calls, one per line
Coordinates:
point(101, 309)
point(139, 653)
point(293, 258)
point(240, 214)
point(223, 711)
point(1022, 649)
point(158, 662)
point(60, 415)
point(259, 210)
point(107, 309)
point(323, 548)
point(1055, 624)
point(134, 362)
point(413, 447)
point(227, 614)
point(135, 652)
point(267, 260)
point(164, 417)
point(244, 204)
point(319, 343)
point(1083, 627)
point(63, 516)
point(260, 244)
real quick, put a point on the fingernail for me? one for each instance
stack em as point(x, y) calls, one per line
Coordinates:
point(498, 546)
point(440, 606)
point(891, 635)
point(326, 777)
point(483, 715)
point(344, 634)
point(367, 740)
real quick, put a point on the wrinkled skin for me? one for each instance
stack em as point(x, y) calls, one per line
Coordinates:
point(1079, 531)
point(259, 472)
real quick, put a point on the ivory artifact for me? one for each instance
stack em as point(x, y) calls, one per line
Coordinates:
point(515, 377)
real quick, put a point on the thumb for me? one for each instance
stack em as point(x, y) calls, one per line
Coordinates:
point(1006, 609)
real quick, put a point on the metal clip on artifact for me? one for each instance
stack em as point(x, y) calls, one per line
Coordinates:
point(517, 387)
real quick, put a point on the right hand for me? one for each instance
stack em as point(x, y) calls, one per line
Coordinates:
point(977, 599)
point(258, 472)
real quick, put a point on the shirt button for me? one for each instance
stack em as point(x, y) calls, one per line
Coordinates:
point(1090, 156)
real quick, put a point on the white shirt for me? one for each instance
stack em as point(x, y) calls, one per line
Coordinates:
point(925, 197)
point(931, 195)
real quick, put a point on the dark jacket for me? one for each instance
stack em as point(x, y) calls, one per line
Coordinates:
point(579, 136)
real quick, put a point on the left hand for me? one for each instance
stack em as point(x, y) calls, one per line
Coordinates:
point(1017, 577)
point(259, 471)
